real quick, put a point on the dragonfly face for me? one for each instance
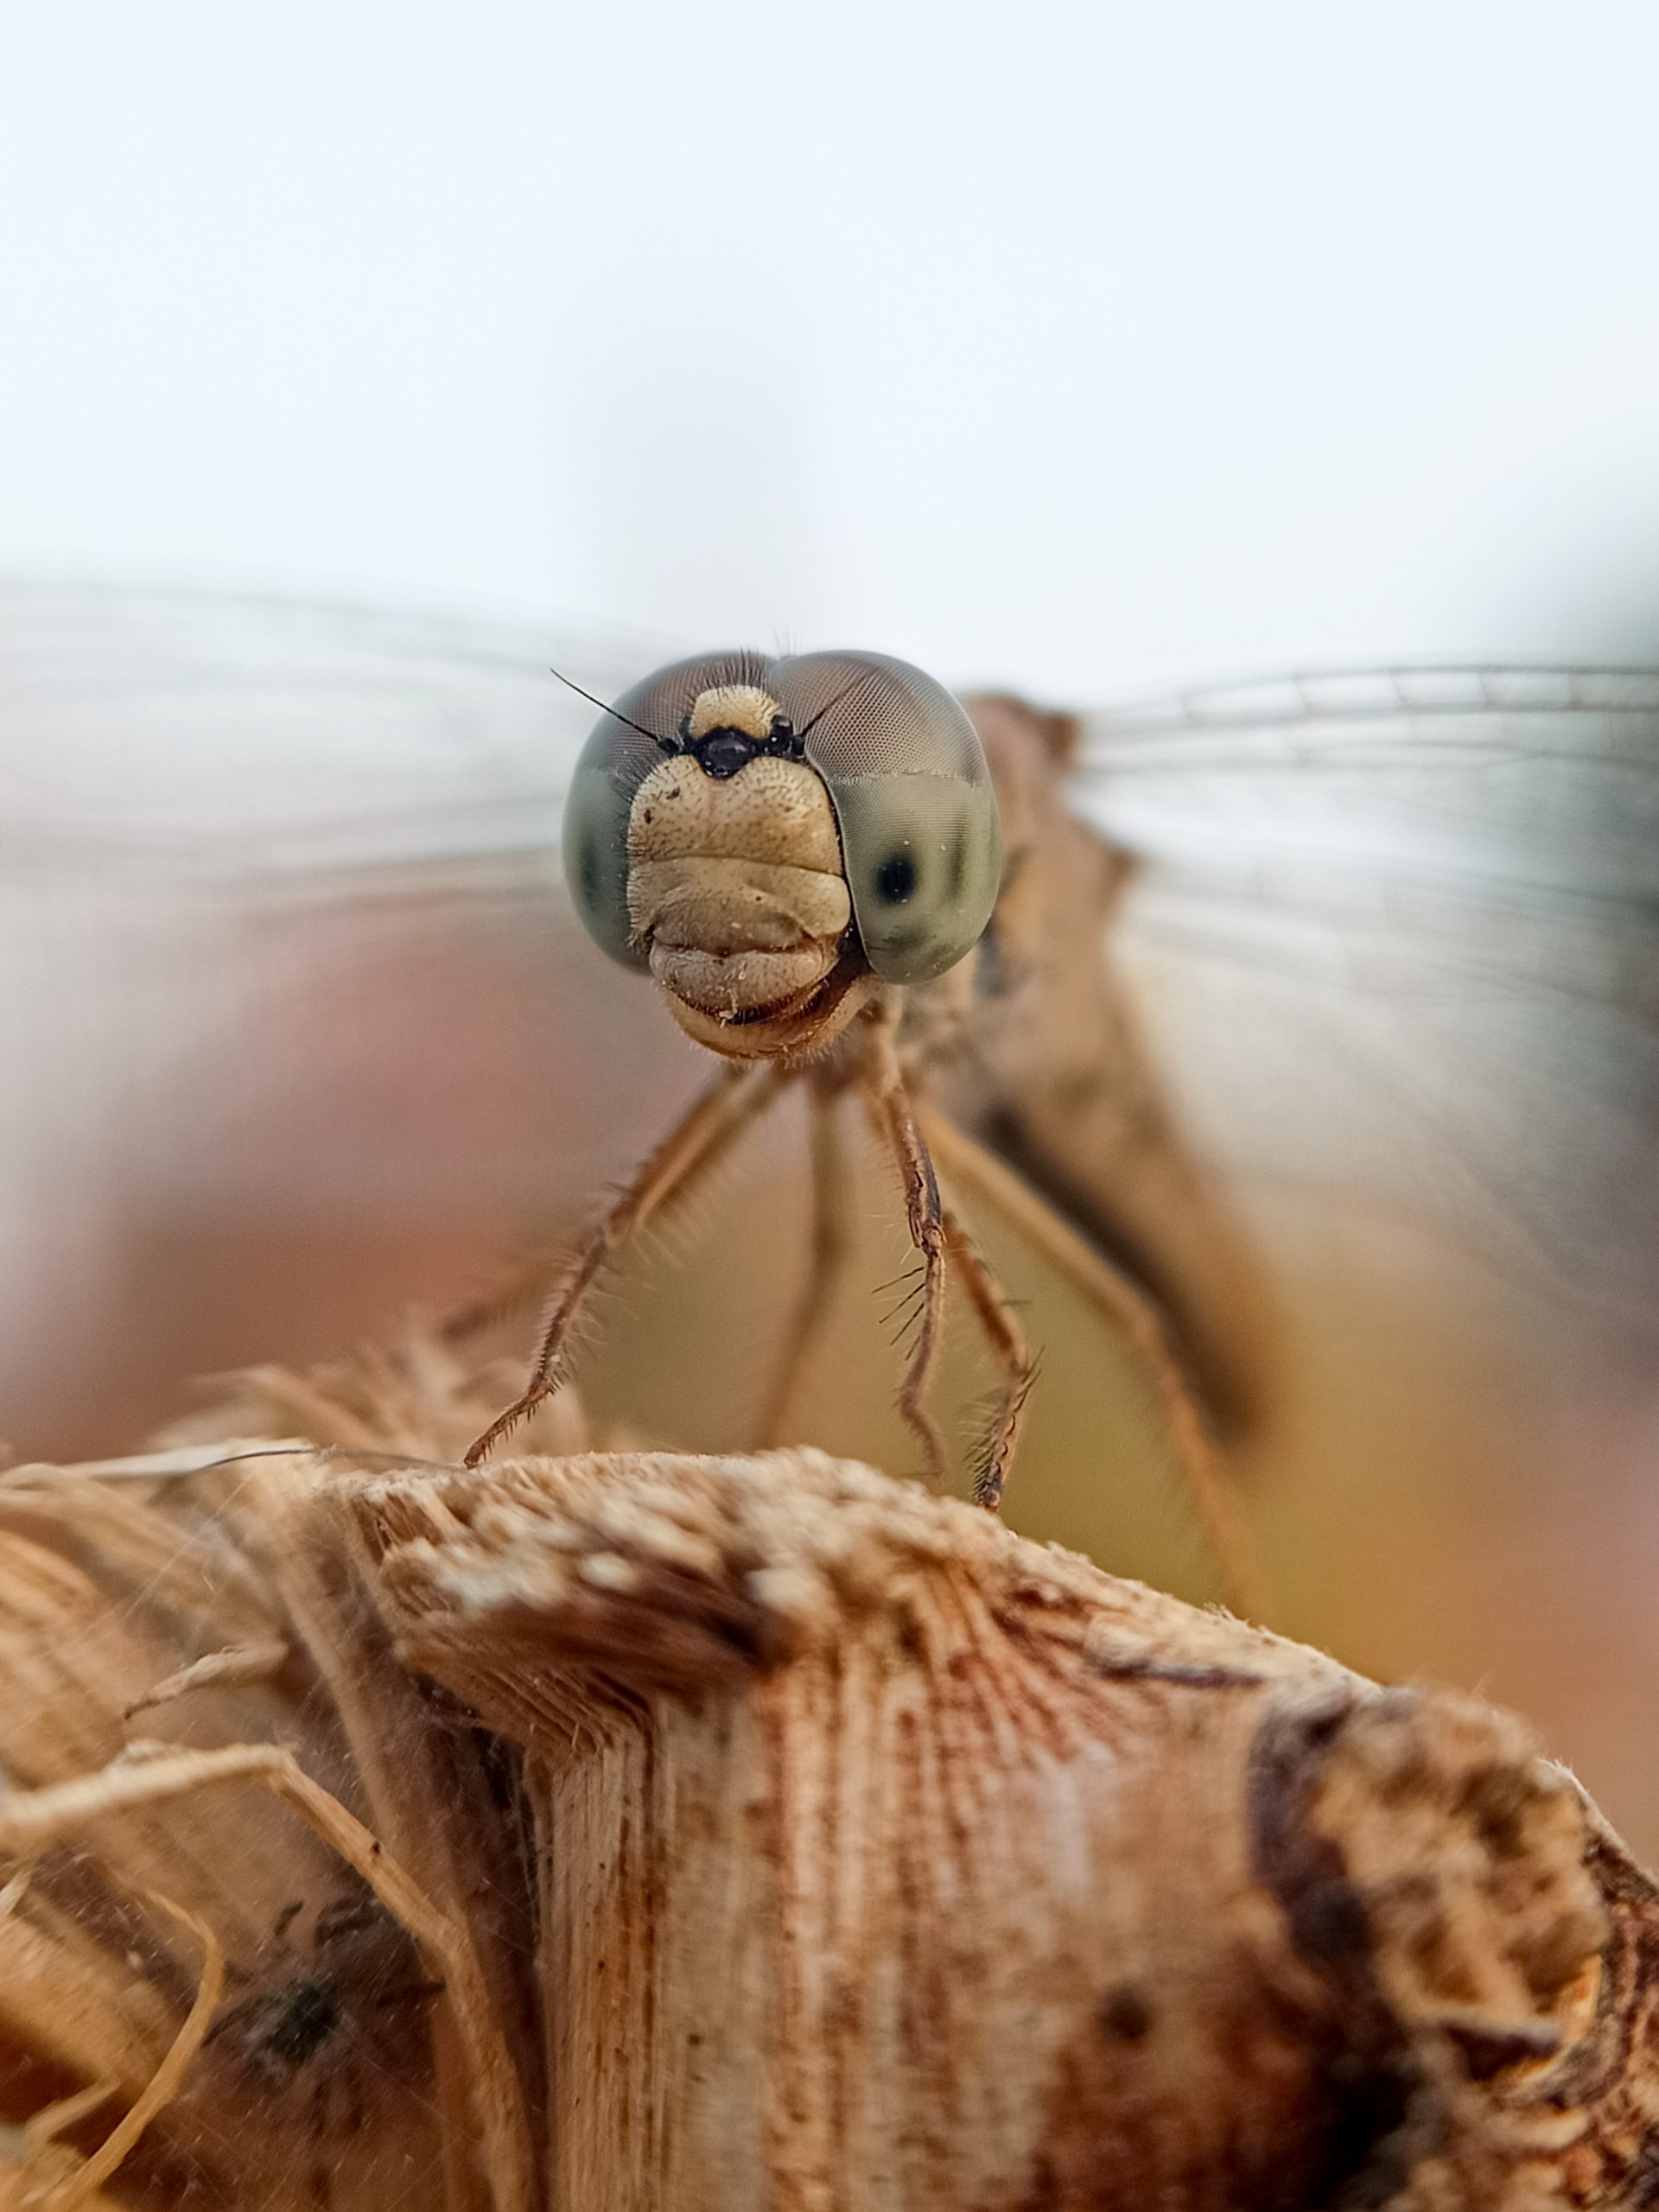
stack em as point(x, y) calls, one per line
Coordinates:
point(774, 838)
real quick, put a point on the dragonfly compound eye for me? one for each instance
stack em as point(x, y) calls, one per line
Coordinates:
point(651, 722)
point(913, 806)
point(913, 795)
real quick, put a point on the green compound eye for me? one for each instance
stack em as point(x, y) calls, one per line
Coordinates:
point(623, 746)
point(906, 776)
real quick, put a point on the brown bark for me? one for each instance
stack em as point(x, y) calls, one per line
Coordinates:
point(780, 1837)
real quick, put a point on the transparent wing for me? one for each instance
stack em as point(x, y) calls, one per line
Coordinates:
point(1398, 936)
point(267, 732)
point(298, 1028)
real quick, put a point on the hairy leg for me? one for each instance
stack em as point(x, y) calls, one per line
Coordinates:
point(708, 1129)
point(881, 1081)
point(528, 1279)
point(1006, 1340)
point(830, 1248)
point(1127, 1310)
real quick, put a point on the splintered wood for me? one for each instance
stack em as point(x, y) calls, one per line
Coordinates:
point(618, 1832)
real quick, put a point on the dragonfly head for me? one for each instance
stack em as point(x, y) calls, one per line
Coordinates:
point(774, 839)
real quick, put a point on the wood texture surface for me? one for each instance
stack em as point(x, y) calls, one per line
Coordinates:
point(758, 1833)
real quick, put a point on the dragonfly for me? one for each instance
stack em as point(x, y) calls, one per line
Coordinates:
point(806, 855)
point(1390, 931)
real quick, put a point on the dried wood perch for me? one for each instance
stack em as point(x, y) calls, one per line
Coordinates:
point(656, 1832)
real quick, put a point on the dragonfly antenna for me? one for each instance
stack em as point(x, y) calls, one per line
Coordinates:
point(571, 685)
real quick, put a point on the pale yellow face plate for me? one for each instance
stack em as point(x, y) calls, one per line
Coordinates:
point(736, 883)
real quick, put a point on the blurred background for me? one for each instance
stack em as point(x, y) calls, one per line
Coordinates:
point(1079, 349)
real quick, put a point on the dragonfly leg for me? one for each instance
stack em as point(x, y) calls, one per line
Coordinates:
point(886, 1098)
point(831, 1247)
point(528, 1279)
point(1007, 1339)
point(1134, 1316)
point(708, 1129)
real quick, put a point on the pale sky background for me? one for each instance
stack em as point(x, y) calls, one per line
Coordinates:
point(1078, 345)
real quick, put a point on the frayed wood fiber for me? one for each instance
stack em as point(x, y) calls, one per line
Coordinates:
point(626, 1831)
